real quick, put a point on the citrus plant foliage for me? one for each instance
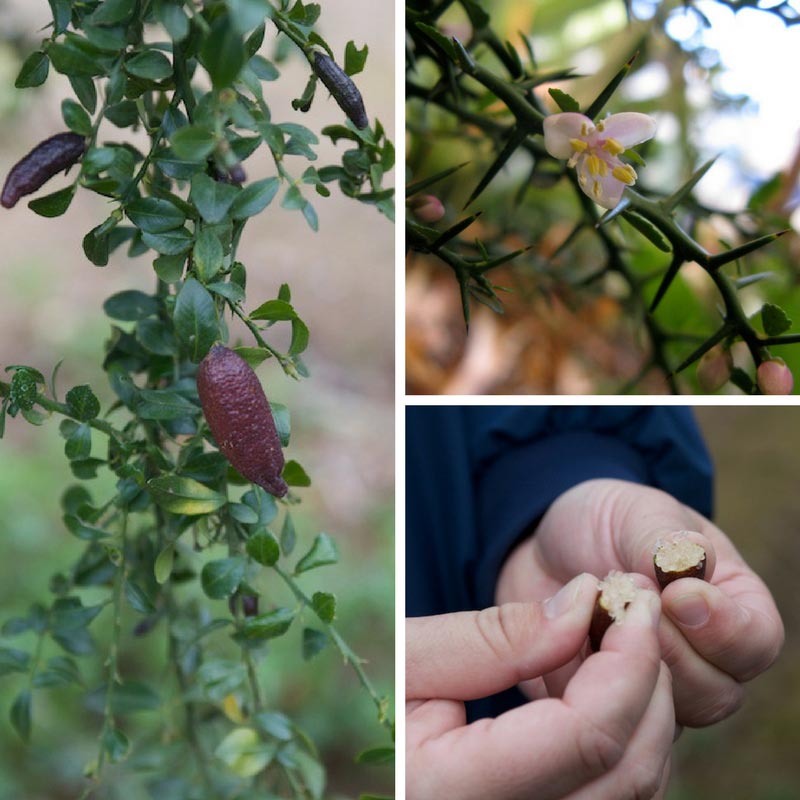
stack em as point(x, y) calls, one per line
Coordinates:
point(486, 98)
point(146, 65)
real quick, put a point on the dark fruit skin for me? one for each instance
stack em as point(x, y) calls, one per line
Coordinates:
point(342, 89)
point(601, 622)
point(43, 162)
point(666, 578)
point(240, 419)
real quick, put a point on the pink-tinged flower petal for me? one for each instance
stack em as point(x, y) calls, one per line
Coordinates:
point(560, 128)
point(628, 128)
point(605, 190)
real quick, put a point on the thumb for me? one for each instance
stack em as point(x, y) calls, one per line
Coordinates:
point(644, 518)
point(474, 654)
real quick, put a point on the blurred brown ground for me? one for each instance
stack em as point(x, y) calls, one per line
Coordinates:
point(753, 755)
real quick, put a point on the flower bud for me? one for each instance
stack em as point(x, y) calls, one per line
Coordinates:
point(714, 369)
point(774, 377)
point(426, 208)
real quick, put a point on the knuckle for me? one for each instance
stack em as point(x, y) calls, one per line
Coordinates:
point(714, 706)
point(599, 750)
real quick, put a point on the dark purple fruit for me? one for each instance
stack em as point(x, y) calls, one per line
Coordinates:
point(617, 592)
point(238, 413)
point(342, 88)
point(43, 162)
point(678, 558)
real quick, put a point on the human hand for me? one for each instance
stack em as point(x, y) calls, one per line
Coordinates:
point(608, 736)
point(715, 634)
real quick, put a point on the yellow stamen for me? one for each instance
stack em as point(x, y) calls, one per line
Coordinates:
point(613, 147)
point(601, 126)
point(596, 165)
point(625, 173)
point(584, 129)
point(578, 145)
point(596, 191)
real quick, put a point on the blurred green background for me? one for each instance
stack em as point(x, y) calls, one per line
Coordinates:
point(342, 283)
point(753, 754)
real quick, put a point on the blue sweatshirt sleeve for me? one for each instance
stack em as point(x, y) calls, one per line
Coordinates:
point(478, 479)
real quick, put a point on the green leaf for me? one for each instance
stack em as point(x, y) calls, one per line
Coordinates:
point(21, 714)
point(324, 605)
point(254, 198)
point(295, 475)
point(223, 54)
point(169, 268)
point(243, 752)
point(162, 569)
point(212, 198)
point(267, 626)
point(156, 337)
point(180, 495)
point(82, 403)
point(137, 598)
point(263, 547)
point(113, 11)
point(208, 254)
point(648, 230)
point(151, 65)
point(774, 320)
point(81, 530)
point(128, 698)
point(173, 18)
point(60, 671)
point(221, 578)
point(131, 305)
point(314, 642)
point(68, 59)
point(274, 310)
point(354, 59)
point(55, 204)
point(564, 101)
point(280, 413)
point(155, 215)
point(193, 142)
point(195, 319)
point(322, 552)
point(24, 387)
point(13, 660)
point(169, 243)
point(230, 291)
point(79, 443)
point(115, 744)
point(76, 118)
point(288, 535)
point(34, 71)
point(383, 754)
point(275, 724)
point(248, 14)
point(163, 404)
point(300, 336)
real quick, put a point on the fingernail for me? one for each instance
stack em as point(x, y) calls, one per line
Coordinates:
point(561, 602)
point(690, 610)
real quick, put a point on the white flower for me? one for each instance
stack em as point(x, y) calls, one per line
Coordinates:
point(595, 149)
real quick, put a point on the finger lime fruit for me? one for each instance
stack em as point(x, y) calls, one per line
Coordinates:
point(342, 88)
point(240, 419)
point(43, 162)
point(678, 557)
point(616, 592)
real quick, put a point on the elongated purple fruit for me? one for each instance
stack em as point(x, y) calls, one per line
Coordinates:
point(238, 413)
point(342, 89)
point(42, 163)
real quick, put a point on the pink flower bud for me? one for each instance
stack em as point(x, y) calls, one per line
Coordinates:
point(426, 208)
point(714, 369)
point(774, 377)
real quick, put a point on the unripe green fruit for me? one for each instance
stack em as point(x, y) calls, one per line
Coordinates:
point(239, 416)
point(714, 369)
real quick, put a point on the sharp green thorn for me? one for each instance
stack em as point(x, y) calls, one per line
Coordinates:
point(719, 260)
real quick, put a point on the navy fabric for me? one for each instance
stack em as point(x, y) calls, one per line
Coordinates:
point(478, 479)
